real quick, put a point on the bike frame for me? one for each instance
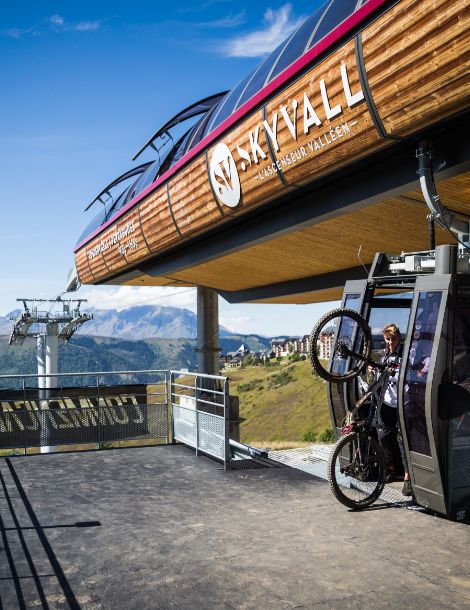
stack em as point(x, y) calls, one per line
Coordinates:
point(375, 392)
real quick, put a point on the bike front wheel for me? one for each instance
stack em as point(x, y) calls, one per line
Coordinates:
point(357, 470)
point(343, 336)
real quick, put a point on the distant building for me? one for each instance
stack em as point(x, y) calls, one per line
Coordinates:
point(290, 345)
point(325, 345)
point(234, 359)
point(278, 347)
point(304, 345)
point(301, 345)
point(281, 348)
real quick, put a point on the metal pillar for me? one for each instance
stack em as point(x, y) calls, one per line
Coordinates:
point(52, 355)
point(48, 328)
point(208, 350)
point(40, 357)
point(51, 352)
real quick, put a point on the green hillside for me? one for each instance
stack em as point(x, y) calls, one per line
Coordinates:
point(283, 402)
point(280, 403)
point(86, 353)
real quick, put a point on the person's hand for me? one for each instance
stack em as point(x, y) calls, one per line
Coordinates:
point(370, 375)
point(423, 371)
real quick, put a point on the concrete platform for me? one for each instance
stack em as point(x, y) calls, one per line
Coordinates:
point(158, 527)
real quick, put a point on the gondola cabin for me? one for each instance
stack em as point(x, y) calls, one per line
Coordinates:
point(428, 294)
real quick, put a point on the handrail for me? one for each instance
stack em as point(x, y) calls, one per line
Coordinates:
point(89, 373)
point(203, 375)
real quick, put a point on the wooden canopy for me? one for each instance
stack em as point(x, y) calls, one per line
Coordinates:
point(295, 192)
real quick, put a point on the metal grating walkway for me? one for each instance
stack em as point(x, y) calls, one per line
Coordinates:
point(314, 460)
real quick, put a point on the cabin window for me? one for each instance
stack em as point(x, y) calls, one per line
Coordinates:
point(337, 395)
point(417, 368)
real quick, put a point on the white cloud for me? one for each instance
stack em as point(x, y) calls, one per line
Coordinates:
point(58, 24)
point(268, 320)
point(19, 33)
point(197, 8)
point(238, 323)
point(54, 23)
point(104, 297)
point(277, 25)
point(230, 21)
point(56, 20)
point(87, 26)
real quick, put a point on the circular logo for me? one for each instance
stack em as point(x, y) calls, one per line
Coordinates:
point(224, 176)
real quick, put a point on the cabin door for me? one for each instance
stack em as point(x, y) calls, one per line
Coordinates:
point(339, 394)
point(424, 358)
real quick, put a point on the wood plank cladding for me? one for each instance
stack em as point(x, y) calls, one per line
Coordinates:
point(305, 298)
point(416, 69)
point(417, 61)
point(329, 142)
point(83, 267)
point(157, 222)
point(454, 193)
point(192, 203)
point(397, 222)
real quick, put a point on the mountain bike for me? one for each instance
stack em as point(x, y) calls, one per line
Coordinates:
point(357, 468)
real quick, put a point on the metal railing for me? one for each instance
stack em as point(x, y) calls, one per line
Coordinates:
point(200, 413)
point(83, 408)
point(101, 407)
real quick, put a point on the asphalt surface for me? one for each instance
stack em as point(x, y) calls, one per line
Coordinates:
point(158, 527)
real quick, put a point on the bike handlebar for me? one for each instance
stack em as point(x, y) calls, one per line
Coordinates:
point(345, 351)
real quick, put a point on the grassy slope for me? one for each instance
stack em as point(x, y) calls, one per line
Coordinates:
point(283, 413)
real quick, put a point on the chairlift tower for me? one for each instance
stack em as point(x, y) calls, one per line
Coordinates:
point(48, 321)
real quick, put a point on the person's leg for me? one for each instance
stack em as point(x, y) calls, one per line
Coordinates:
point(406, 491)
point(387, 434)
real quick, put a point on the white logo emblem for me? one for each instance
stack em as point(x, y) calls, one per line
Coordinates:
point(224, 176)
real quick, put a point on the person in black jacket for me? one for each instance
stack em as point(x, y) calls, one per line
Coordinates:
point(390, 433)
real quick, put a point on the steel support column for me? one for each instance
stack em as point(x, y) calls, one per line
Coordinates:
point(51, 364)
point(52, 355)
point(208, 350)
point(41, 361)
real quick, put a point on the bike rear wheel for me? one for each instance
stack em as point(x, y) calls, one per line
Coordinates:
point(357, 470)
point(351, 343)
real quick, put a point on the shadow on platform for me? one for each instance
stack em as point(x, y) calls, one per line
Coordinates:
point(158, 527)
point(31, 572)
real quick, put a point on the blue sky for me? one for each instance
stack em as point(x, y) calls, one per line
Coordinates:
point(83, 86)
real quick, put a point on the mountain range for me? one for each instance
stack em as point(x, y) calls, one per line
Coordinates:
point(86, 353)
point(137, 338)
point(138, 322)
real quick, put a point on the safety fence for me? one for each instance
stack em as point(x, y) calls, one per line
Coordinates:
point(49, 411)
point(200, 413)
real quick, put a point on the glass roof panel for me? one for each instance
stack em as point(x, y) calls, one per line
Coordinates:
point(202, 107)
point(338, 12)
point(199, 130)
point(93, 225)
point(104, 214)
point(259, 77)
point(227, 105)
point(147, 178)
point(296, 46)
point(330, 14)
